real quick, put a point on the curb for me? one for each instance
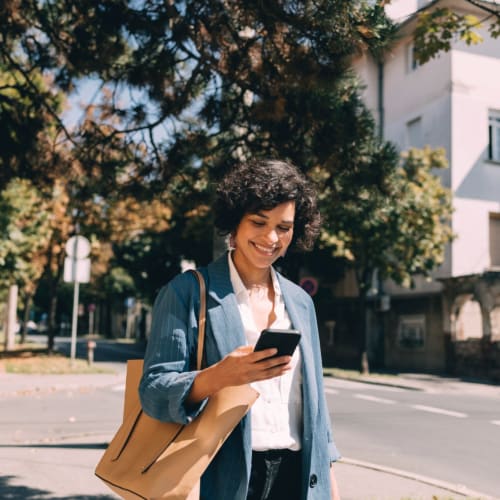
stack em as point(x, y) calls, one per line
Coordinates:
point(374, 382)
point(444, 485)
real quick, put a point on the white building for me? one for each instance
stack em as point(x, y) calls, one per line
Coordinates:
point(453, 101)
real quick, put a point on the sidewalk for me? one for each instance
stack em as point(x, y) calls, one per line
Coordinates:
point(357, 480)
point(12, 384)
point(365, 481)
point(418, 382)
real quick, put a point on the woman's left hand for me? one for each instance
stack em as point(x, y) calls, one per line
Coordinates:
point(244, 365)
point(241, 366)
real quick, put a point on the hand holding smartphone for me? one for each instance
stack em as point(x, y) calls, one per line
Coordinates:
point(284, 340)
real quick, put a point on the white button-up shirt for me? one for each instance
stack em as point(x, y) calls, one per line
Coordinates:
point(276, 416)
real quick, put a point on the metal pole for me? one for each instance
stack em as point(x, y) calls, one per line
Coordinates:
point(91, 322)
point(76, 289)
point(74, 320)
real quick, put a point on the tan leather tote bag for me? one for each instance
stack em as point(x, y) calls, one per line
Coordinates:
point(151, 459)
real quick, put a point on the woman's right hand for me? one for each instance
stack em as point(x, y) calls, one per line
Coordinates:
point(242, 366)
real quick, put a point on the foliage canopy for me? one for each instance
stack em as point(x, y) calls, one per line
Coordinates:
point(438, 28)
point(182, 90)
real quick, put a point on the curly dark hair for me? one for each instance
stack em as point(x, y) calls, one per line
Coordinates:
point(263, 185)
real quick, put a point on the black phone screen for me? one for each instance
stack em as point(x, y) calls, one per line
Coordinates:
point(284, 340)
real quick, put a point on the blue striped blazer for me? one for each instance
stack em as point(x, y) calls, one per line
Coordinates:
point(168, 375)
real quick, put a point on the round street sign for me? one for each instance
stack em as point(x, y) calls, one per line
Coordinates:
point(310, 285)
point(78, 247)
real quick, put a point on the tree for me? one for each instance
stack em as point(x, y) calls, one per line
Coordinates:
point(25, 230)
point(397, 228)
point(437, 29)
point(160, 232)
point(399, 239)
point(225, 79)
point(186, 88)
point(26, 128)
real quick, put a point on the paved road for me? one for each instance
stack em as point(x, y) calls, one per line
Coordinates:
point(53, 431)
point(450, 432)
point(51, 440)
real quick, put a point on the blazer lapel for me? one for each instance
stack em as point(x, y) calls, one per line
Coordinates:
point(228, 332)
point(223, 313)
point(300, 317)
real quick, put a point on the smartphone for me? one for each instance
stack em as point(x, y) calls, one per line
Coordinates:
point(284, 340)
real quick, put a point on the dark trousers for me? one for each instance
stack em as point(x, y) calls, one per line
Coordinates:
point(275, 475)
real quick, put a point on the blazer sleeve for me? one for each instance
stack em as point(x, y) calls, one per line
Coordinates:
point(167, 377)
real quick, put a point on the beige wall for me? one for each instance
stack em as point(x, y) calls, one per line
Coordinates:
point(451, 95)
point(475, 180)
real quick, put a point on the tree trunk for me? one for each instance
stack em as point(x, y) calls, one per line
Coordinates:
point(54, 278)
point(364, 367)
point(26, 316)
point(11, 318)
point(363, 279)
point(51, 327)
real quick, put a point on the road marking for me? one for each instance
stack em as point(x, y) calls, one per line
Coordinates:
point(495, 422)
point(375, 399)
point(118, 388)
point(329, 390)
point(432, 409)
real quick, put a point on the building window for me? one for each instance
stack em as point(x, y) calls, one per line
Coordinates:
point(411, 331)
point(411, 61)
point(494, 136)
point(414, 135)
point(495, 240)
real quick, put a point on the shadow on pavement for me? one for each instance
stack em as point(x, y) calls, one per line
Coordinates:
point(19, 492)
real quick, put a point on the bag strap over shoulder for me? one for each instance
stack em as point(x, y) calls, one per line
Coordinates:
point(201, 317)
point(135, 366)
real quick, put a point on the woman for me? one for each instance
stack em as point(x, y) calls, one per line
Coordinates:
point(283, 449)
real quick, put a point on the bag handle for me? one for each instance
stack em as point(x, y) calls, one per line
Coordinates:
point(202, 316)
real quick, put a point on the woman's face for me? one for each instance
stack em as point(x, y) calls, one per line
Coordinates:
point(264, 236)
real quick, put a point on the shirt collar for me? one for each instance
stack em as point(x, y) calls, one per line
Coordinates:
point(239, 287)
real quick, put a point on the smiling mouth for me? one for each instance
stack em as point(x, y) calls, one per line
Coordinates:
point(267, 250)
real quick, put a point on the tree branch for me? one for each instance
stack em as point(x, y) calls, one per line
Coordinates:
point(33, 87)
point(480, 5)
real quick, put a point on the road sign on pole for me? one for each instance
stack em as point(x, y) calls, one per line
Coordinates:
point(310, 285)
point(76, 271)
point(78, 247)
